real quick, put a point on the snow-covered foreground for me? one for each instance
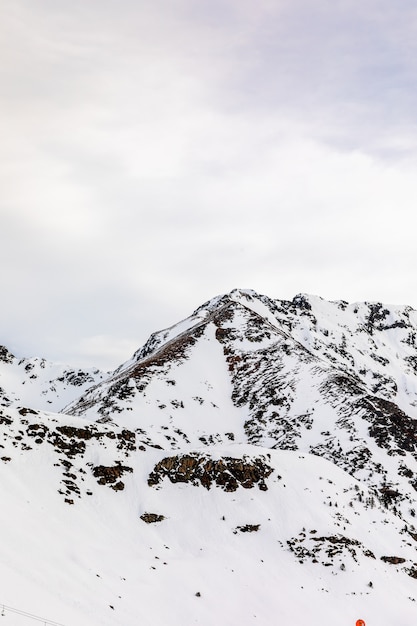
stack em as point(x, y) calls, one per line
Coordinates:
point(250, 465)
point(216, 557)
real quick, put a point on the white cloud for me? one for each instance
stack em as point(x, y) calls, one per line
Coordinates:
point(153, 156)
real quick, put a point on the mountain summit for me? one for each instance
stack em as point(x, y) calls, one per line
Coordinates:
point(255, 462)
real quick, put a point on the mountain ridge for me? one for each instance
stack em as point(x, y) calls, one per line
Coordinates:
point(257, 445)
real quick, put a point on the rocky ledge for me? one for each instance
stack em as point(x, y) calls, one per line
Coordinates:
point(198, 469)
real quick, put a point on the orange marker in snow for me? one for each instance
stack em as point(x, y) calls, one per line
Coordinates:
point(360, 622)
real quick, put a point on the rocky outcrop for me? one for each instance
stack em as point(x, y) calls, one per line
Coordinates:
point(109, 475)
point(247, 528)
point(152, 518)
point(327, 550)
point(5, 355)
point(394, 560)
point(227, 473)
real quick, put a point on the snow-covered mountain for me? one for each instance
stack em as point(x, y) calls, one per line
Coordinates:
point(255, 463)
point(41, 384)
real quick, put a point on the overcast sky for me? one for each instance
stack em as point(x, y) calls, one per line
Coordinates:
point(156, 154)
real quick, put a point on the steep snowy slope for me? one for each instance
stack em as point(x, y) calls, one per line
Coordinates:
point(375, 342)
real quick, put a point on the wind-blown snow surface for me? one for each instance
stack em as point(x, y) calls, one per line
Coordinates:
point(255, 464)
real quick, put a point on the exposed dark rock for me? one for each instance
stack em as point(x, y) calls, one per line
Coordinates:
point(390, 427)
point(111, 474)
point(27, 411)
point(37, 430)
point(326, 548)
point(247, 528)
point(412, 571)
point(78, 433)
point(394, 560)
point(72, 440)
point(227, 473)
point(151, 518)
point(5, 355)
point(119, 486)
point(70, 447)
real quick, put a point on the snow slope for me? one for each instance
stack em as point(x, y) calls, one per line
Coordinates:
point(254, 464)
point(307, 546)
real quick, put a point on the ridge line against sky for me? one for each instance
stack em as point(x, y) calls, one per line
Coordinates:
point(155, 155)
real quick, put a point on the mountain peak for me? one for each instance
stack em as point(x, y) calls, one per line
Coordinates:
point(256, 440)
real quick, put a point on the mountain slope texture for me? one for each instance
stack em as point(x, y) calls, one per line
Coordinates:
point(255, 463)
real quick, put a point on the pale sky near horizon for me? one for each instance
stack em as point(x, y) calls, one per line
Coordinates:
point(156, 154)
